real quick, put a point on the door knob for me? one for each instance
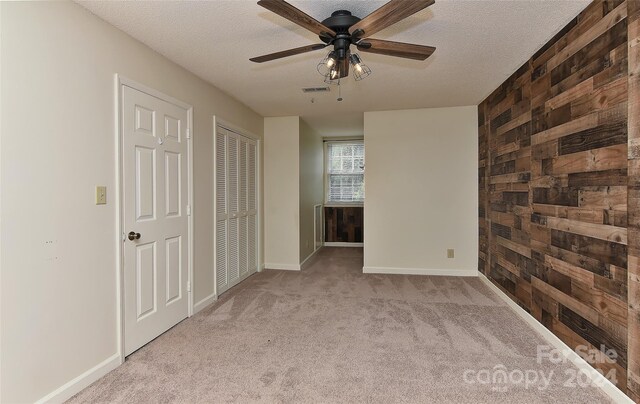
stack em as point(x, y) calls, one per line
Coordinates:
point(134, 236)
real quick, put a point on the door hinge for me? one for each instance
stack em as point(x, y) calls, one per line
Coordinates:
point(188, 286)
point(188, 210)
point(188, 133)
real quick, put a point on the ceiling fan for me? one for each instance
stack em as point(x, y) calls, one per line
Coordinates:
point(343, 29)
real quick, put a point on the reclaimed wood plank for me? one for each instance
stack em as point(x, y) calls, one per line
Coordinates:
point(545, 150)
point(595, 357)
point(519, 248)
point(616, 177)
point(606, 158)
point(550, 210)
point(556, 196)
point(604, 97)
point(609, 198)
point(595, 31)
point(590, 331)
point(514, 123)
point(590, 264)
point(599, 231)
point(572, 271)
point(595, 138)
point(612, 287)
point(583, 123)
point(608, 306)
point(586, 215)
point(510, 178)
point(582, 309)
point(586, 87)
point(615, 217)
point(601, 250)
point(549, 181)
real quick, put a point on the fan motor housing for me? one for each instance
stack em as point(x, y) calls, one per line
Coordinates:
point(340, 21)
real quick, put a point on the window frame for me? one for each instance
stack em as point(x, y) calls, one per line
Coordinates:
point(327, 202)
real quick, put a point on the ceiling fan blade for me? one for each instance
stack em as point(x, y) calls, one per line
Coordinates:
point(398, 49)
point(289, 52)
point(344, 66)
point(387, 15)
point(286, 10)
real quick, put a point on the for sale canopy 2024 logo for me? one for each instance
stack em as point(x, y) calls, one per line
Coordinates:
point(500, 377)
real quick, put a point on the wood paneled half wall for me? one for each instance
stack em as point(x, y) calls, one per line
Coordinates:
point(559, 183)
point(343, 224)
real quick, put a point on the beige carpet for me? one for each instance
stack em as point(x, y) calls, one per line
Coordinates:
point(332, 334)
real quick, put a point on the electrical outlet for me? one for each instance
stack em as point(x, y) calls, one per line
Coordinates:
point(450, 253)
point(101, 195)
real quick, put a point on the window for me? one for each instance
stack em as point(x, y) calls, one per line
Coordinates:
point(345, 172)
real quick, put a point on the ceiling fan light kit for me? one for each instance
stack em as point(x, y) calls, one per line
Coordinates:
point(329, 68)
point(360, 70)
point(343, 29)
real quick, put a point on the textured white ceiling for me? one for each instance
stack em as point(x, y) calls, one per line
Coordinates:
point(479, 44)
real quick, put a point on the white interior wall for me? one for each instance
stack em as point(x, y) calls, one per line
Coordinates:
point(311, 185)
point(421, 191)
point(58, 133)
point(281, 192)
point(58, 249)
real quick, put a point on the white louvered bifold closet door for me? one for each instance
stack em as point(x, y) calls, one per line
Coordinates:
point(232, 200)
point(236, 208)
point(222, 281)
point(252, 207)
point(242, 225)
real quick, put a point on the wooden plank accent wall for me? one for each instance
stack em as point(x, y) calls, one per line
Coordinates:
point(559, 186)
point(343, 224)
point(633, 201)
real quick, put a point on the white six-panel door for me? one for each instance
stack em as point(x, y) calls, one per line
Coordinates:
point(155, 198)
point(236, 245)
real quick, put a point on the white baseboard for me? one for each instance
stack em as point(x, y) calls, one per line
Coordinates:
point(420, 271)
point(598, 379)
point(204, 303)
point(308, 260)
point(285, 267)
point(292, 267)
point(69, 389)
point(341, 244)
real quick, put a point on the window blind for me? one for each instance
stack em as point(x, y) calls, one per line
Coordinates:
point(345, 172)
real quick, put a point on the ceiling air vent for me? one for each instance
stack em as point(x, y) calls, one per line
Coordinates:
point(316, 90)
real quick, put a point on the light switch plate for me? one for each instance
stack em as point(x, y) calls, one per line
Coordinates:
point(450, 253)
point(101, 195)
